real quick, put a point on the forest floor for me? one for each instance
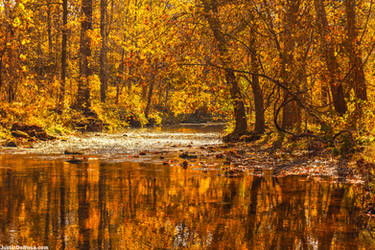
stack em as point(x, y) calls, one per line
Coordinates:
point(235, 159)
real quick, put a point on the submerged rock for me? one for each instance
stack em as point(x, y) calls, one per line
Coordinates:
point(185, 164)
point(67, 152)
point(11, 144)
point(186, 155)
point(219, 156)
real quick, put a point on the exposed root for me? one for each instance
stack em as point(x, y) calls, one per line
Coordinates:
point(245, 136)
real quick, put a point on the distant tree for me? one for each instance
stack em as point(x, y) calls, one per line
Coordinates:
point(83, 95)
point(103, 50)
point(63, 54)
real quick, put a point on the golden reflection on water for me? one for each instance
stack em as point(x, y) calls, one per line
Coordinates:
point(144, 206)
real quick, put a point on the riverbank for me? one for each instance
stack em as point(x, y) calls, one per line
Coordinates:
point(200, 147)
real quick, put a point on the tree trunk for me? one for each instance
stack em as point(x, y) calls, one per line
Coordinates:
point(12, 80)
point(149, 97)
point(210, 9)
point(11, 92)
point(255, 85)
point(83, 98)
point(257, 93)
point(63, 55)
point(117, 93)
point(356, 77)
point(103, 50)
point(328, 52)
point(259, 105)
point(49, 29)
point(238, 105)
point(121, 72)
point(166, 109)
point(1, 70)
point(291, 112)
point(324, 91)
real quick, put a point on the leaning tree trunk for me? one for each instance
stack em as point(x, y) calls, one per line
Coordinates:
point(210, 10)
point(328, 53)
point(83, 98)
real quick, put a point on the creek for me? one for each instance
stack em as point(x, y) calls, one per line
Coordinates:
point(129, 191)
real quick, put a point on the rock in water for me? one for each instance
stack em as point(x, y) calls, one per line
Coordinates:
point(186, 155)
point(67, 152)
point(11, 144)
point(185, 164)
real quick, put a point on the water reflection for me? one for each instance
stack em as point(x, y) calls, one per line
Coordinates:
point(144, 206)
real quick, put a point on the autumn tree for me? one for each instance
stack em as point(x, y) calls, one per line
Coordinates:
point(83, 95)
point(328, 53)
point(284, 61)
point(63, 54)
point(103, 49)
point(252, 49)
point(291, 111)
point(210, 8)
point(356, 75)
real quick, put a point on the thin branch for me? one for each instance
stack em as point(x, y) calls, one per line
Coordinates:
point(276, 82)
point(366, 23)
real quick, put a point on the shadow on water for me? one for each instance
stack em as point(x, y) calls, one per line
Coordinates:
point(143, 206)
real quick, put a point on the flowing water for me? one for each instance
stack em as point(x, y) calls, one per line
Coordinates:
point(114, 200)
